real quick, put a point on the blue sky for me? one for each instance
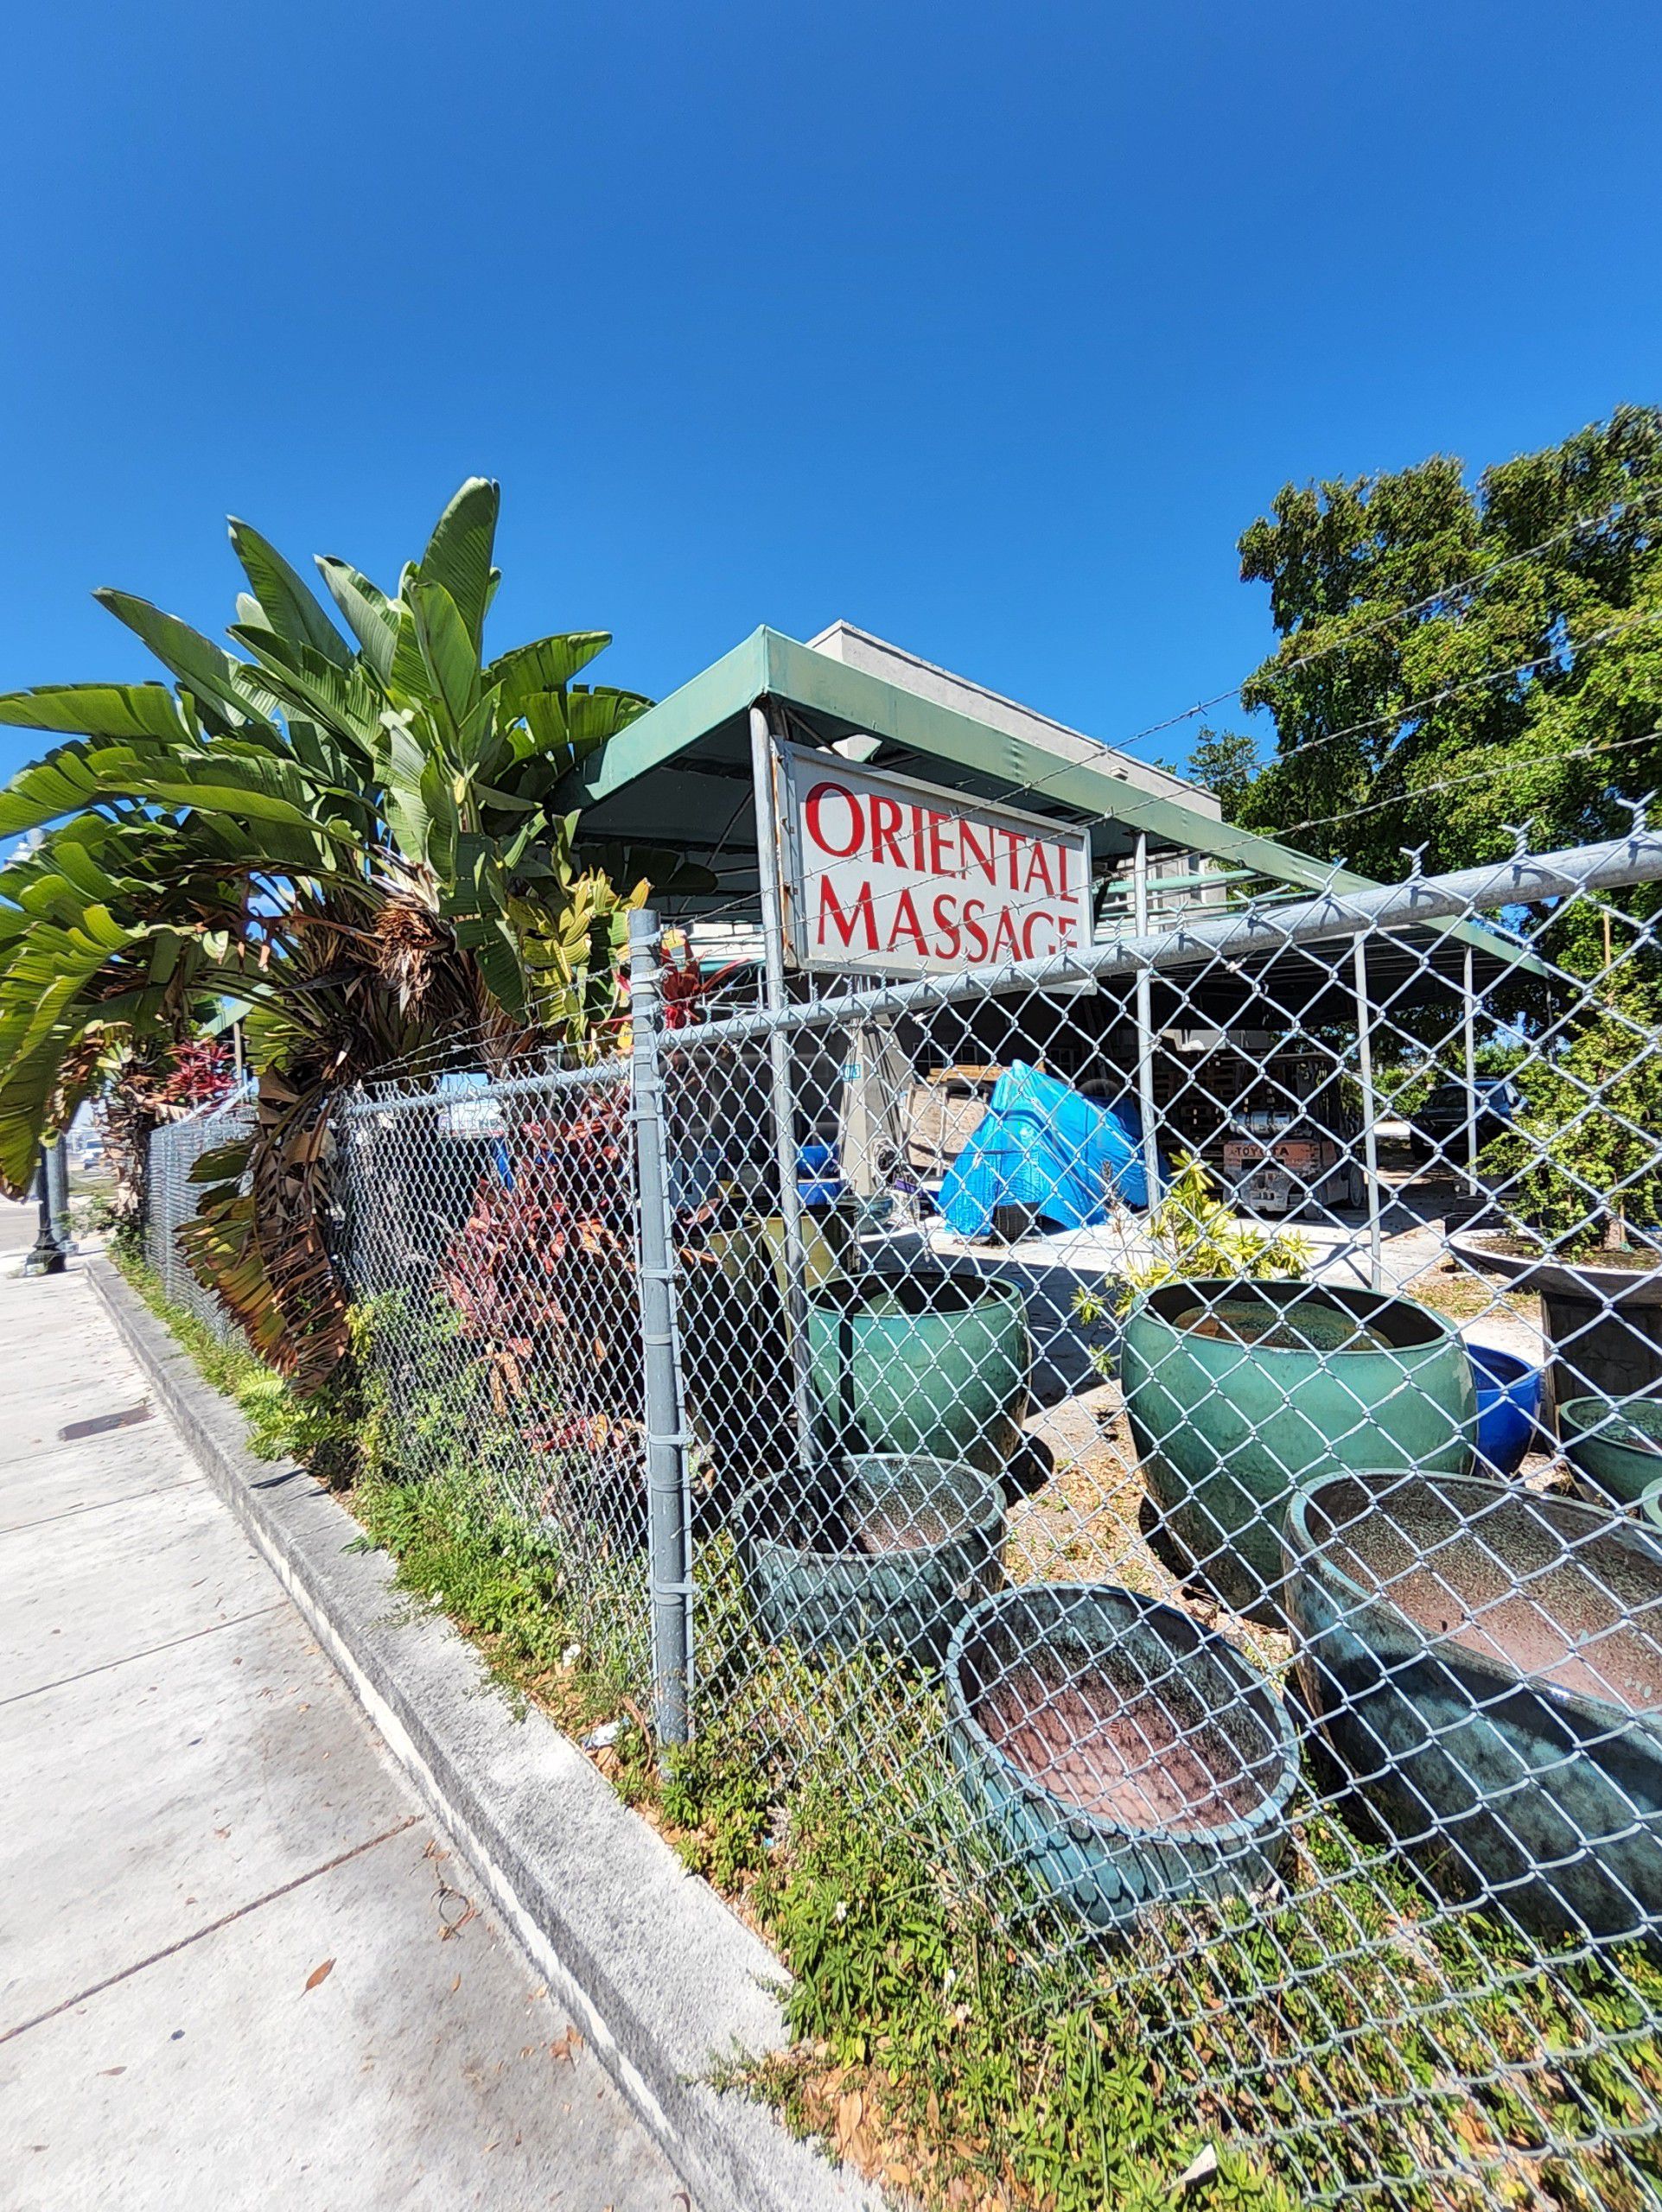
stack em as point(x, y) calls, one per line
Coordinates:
point(987, 327)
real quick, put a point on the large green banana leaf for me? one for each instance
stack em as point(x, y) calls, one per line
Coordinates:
point(350, 831)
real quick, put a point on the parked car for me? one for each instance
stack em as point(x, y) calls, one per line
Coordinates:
point(1437, 1131)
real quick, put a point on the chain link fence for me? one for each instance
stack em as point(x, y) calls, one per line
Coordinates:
point(171, 1199)
point(1170, 1435)
point(1184, 1451)
point(488, 1234)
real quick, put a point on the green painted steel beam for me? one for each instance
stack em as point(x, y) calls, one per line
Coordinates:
point(769, 665)
point(727, 690)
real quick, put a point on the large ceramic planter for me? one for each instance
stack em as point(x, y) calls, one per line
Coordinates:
point(878, 1549)
point(1123, 1756)
point(1616, 1451)
point(1484, 1665)
point(1604, 1323)
point(930, 1364)
point(1225, 1429)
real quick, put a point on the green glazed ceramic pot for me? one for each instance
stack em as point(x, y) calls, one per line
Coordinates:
point(1615, 1448)
point(936, 1364)
point(881, 1548)
point(1484, 1667)
point(1329, 1378)
point(1123, 1755)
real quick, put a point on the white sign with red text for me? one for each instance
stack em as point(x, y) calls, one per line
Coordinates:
point(884, 873)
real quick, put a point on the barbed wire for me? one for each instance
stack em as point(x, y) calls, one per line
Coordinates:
point(1481, 776)
point(442, 1055)
point(1616, 509)
point(1406, 711)
point(1412, 709)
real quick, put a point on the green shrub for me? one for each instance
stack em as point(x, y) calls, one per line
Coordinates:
point(1193, 1236)
point(1583, 1164)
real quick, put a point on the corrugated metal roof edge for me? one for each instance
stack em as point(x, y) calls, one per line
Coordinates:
point(768, 664)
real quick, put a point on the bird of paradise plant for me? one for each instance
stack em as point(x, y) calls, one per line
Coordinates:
point(352, 822)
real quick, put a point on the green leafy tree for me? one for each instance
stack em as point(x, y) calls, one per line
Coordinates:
point(1413, 706)
point(352, 823)
point(1223, 762)
point(1583, 1164)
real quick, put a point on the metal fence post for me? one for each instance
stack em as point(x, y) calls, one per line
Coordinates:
point(1370, 1117)
point(1469, 1037)
point(668, 1502)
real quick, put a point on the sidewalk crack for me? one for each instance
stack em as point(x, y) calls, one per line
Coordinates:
point(225, 1920)
point(150, 1650)
point(103, 1505)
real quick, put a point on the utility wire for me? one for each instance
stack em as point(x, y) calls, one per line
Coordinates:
point(1480, 776)
point(1405, 613)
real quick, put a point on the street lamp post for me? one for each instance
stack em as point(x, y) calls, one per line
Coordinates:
point(52, 1243)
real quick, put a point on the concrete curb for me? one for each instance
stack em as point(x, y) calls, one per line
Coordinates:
point(662, 1978)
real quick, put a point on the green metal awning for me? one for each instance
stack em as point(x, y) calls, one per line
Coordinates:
point(680, 777)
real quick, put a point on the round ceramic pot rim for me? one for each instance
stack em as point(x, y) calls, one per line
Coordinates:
point(987, 1515)
point(846, 1304)
point(1300, 1548)
point(1143, 1310)
point(1245, 1829)
point(1641, 1285)
point(1615, 1416)
point(1304, 1487)
point(1532, 1370)
point(1649, 1504)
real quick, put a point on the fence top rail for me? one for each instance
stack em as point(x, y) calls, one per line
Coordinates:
point(241, 1095)
point(1335, 915)
point(376, 1102)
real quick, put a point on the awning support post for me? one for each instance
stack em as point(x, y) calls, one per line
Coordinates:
point(1369, 1118)
point(764, 765)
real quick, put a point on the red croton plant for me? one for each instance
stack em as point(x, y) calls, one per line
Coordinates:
point(152, 1085)
point(542, 1272)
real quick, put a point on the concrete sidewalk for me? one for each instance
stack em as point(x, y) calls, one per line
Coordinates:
point(238, 1965)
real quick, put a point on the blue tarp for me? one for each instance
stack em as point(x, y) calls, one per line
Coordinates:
point(1041, 1144)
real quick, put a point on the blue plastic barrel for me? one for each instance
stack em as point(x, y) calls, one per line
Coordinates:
point(818, 1181)
point(1508, 1405)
